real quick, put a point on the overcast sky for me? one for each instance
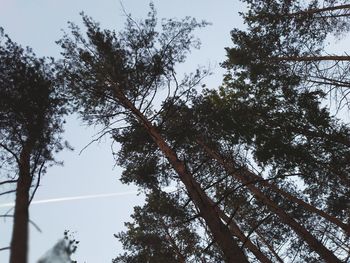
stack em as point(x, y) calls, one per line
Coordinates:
point(38, 24)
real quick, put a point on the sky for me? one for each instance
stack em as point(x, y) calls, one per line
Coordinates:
point(107, 203)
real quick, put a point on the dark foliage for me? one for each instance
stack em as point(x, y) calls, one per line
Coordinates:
point(31, 111)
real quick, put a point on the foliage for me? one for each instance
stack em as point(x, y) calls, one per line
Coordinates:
point(31, 119)
point(265, 120)
point(161, 232)
point(289, 40)
point(31, 107)
point(140, 61)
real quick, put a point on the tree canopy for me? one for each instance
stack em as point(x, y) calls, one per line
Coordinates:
point(262, 165)
point(259, 166)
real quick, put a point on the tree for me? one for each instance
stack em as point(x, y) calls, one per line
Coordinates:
point(279, 86)
point(234, 123)
point(146, 167)
point(264, 107)
point(139, 158)
point(30, 124)
point(232, 152)
point(295, 36)
point(266, 104)
point(116, 78)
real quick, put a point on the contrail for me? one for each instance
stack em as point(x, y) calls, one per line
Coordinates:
point(82, 197)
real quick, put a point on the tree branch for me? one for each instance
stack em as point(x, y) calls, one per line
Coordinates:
point(320, 10)
point(312, 58)
point(11, 152)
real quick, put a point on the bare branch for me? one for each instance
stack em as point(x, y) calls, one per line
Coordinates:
point(8, 182)
point(4, 248)
point(8, 192)
point(30, 221)
point(10, 151)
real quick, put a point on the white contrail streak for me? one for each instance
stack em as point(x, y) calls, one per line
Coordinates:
point(71, 198)
point(82, 197)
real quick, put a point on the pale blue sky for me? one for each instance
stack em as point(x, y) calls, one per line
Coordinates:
point(38, 24)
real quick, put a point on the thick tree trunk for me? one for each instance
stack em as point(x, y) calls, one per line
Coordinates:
point(221, 234)
point(20, 232)
point(305, 235)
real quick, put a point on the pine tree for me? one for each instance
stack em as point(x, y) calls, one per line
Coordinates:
point(30, 124)
point(260, 165)
point(115, 77)
point(293, 36)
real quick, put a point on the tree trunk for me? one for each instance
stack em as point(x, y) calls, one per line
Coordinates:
point(250, 176)
point(221, 234)
point(20, 232)
point(305, 235)
point(308, 207)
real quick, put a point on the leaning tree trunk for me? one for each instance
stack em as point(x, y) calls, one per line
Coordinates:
point(20, 232)
point(221, 234)
point(254, 178)
point(303, 233)
point(292, 198)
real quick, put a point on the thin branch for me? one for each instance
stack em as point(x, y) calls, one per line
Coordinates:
point(8, 182)
point(208, 246)
point(269, 246)
point(38, 182)
point(255, 228)
point(331, 16)
point(93, 141)
point(30, 221)
point(8, 192)
point(312, 58)
point(5, 248)
point(10, 151)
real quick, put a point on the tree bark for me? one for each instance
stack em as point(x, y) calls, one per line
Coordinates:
point(221, 234)
point(20, 232)
point(305, 235)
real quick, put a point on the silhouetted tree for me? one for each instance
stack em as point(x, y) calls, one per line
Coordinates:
point(267, 105)
point(264, 110)
point(30, 124)
point(232, 152)
point(293, 36)
point(116, 77)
